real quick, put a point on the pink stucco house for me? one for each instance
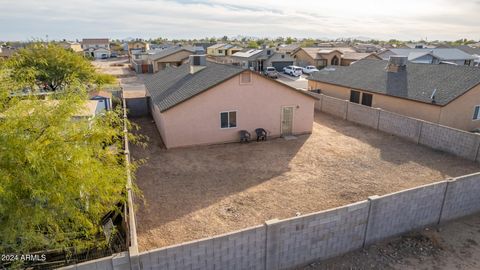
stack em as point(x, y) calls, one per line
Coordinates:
point(207, 103)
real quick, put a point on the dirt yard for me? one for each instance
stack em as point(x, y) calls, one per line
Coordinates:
point(192, 193)
point(455, 245)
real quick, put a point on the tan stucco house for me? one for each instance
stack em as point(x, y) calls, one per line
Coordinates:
point(203, 102)
point(445, 94)
point(174, 56)
point(222, 49)
point(138, 45)
point(319, 57)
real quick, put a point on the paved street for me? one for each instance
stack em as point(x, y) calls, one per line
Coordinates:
point(297, 82)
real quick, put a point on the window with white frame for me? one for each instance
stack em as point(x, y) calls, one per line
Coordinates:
point(476, 113)
point(228, 119)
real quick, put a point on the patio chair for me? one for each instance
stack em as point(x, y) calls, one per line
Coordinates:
point(245, 136)
point(261, 134)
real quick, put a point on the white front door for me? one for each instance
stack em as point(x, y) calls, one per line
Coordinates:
point(287, 121)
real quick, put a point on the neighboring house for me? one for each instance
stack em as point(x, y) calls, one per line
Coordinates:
point(71, 45)
point(95, 43)
point(155, 60)
point(258, 60)
point(6, 52)
point(279, 60)
point(443, 94)
point(431, 56)
point(223, 49)
point(174, 57)
point(104, 99)
point(138, 45)
point(252, 58)
point(319, 57)
point(208, 103)
point(98, 48)
point(286, 49)
point(350, 57)
point(100, 53)
point(475, 52)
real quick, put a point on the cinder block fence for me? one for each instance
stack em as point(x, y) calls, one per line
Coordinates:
point(297, 241)
point(454, 141)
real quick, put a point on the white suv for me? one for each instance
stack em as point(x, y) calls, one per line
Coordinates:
point(293, 70)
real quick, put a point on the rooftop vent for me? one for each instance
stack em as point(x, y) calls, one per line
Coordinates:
point(397, 63)
point(197, 63)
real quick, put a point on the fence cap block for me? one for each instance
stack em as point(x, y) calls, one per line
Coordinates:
point(272, 221)
point(373, 197)
point(120, 258)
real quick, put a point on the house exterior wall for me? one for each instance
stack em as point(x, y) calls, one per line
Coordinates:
point(459, 113)
point(216, 51)
point(401, 106)
point(304, 59)
point(138, 45)
point(231, 51)
point(277, 57)
point(329, 57)
point(96, 46)
point(258, 105)
point(456, 114)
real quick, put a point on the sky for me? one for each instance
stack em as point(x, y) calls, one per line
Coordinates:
point(176, 19)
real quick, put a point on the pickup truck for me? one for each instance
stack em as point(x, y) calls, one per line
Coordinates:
point(293, 70)
point(309, 69)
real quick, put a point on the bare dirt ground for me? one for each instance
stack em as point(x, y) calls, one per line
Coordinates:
point(192, 193)
point(455, 245)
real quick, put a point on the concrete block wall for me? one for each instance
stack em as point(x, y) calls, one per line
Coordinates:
point(454, 141)
point(239, 250)
point(363, 115)
point(404, 211)
point(399, 125)
point(334, 106)
point(457, 142)
point(462, 197)
point(137, 106)
point(322, 235)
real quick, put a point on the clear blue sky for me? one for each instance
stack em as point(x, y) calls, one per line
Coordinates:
point(407, 19)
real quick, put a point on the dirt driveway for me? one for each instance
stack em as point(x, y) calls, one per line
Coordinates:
point(197, 192)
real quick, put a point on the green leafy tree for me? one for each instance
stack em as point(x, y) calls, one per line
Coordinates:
point(252, 44)
point(51, 67)
point(308, 42)
point(59, 174)
point(290, 40)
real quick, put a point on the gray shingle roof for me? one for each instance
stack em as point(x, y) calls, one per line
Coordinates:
point(172, 86)
point(416, 83)
point(441, 53)
point(170, 51)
